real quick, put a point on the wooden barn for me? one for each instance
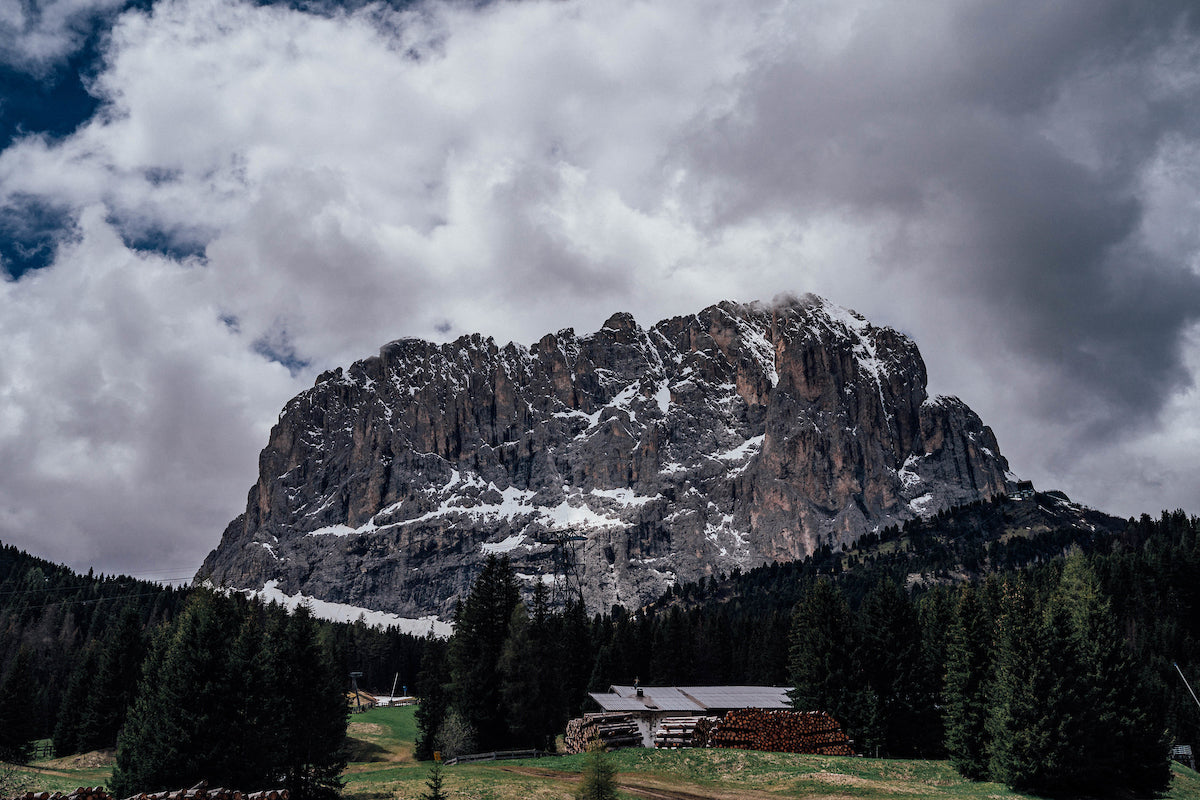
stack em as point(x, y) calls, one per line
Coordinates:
point(650, 705)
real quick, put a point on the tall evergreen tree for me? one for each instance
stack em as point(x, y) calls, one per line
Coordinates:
point(68, 722)
point(475, 649)
point(1117, 740)
point(821, 666)
point(253, 730)
point(968, 674)
point(309, 707)
point(176, 731)
point(890, 660)
point(1030, 718)
point(17, 731)
point(430, 689)
point(196, 693)
point(575, 658)
point(111, 688)
point(528, 682)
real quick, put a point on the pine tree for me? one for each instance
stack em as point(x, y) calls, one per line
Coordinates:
point(599, 777)
point(17, 731)
point(175, 734)
point(968, 674)
point(821, 667)
point(253, 730)
point(1030, 719)
point(1117, 742)
point(111, 688)
point(475, 650)
point(434, 782)
point(67, 723)
point(935, 612)
point(889, 656)
point(572, 634)
point(524, 665)
point(431, 711)
point(309, 707)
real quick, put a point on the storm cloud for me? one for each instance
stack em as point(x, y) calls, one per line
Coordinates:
point(260, 192)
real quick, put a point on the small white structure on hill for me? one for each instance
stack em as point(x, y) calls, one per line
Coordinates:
point(651, 704)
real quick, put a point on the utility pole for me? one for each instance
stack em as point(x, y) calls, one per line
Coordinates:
point(1185, 683)
point(354, 676)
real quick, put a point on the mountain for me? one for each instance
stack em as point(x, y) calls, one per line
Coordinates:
point(734, 437)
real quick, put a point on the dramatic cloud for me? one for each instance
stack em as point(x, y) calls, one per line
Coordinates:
point(265, 192)
point(36, 34)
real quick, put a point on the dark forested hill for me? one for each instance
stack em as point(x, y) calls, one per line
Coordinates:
point(77, 642)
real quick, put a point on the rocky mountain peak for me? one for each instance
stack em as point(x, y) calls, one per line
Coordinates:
point(742, 434)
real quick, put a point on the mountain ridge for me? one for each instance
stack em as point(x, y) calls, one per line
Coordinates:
point(739, 435)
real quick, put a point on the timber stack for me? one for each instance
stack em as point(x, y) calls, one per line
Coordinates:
point(782, 731)
point(676, 732)
point(610, 730)
point(198, 792)
point(82, 793)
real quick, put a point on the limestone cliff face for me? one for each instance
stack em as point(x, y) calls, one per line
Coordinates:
point(733, 437)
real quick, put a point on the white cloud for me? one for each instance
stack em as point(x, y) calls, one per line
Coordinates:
point(528, 166)
point(34, 36)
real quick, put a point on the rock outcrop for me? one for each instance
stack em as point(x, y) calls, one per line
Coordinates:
point(730, 438)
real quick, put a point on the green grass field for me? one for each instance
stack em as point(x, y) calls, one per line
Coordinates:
point(382, 767)
point(670, 774)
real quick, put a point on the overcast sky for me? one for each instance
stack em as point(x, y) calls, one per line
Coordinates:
point(204, 203)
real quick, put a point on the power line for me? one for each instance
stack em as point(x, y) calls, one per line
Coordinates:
point(84, 602)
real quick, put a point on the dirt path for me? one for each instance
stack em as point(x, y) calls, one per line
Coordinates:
point(633, 787)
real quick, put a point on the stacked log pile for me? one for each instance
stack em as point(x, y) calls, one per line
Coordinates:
point(213, 794)
point(198, 792)
point(610, 730)
point(781, 731)
point(676, 732)
point(82, 793)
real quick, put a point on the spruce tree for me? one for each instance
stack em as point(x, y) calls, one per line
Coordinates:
point(70, 711)
point(1030, 719)
point(890, 659)
point(475, 650)
point(821, 666)
point(254, 732)
point(434, 783)
point(17, 721)
point(599, 780)
point(309, 707)
point(431, 711)
point(968, 677)
point(111, 688)
point(1118, 737)
point(523, 667)
point(572, 634)
point(176, 734)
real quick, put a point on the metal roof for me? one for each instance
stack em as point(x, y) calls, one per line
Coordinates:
point(738, 696)
point(692, 699)
point(614, 702)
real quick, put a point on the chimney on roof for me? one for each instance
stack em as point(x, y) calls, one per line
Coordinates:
point(636, 687)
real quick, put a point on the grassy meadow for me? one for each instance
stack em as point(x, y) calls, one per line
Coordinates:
point(382, 767)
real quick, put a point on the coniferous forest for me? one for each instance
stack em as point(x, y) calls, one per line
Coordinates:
point(1045, 661)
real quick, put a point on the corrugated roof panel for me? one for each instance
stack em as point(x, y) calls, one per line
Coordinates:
point(692, 698)
point(670, 698)
point(614, 702)
point(738, 696)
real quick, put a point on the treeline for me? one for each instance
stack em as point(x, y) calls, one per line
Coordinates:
point(66, 634)
point(886, 635)
point(510, 676)
point(76, 652)
point(238, 694)
point(913, 664)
